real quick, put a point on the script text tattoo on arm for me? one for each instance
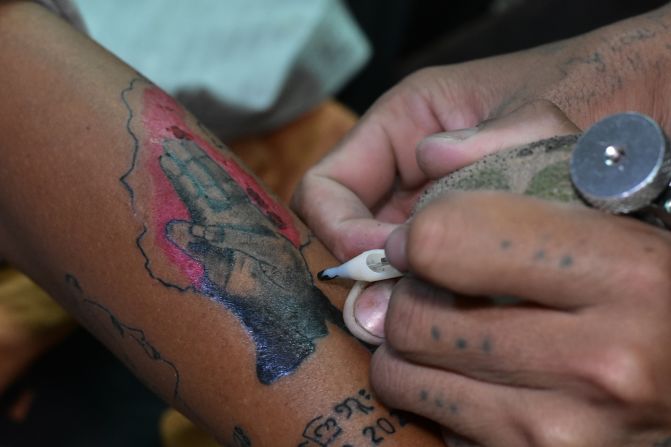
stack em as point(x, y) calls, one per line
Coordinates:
point(354, 417)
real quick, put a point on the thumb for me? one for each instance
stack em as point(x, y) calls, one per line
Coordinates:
point(365, 310)
point(441, 153)
point(186, 236)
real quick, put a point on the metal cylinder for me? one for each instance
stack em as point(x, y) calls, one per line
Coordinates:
point(622, 163)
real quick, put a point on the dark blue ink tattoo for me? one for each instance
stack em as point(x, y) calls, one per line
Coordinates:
point(454, 409)
point(487, 345)
point(245, 255)
point(249, 266)
point(566, 261)
point(461, 344)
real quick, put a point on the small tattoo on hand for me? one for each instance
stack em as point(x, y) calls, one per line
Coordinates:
point(487, 345)
point(566, 261)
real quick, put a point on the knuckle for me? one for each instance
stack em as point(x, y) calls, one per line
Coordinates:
point(648, 277)
point(558, 432)
point(625, 374)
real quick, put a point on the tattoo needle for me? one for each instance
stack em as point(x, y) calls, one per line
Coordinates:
point(371, 265)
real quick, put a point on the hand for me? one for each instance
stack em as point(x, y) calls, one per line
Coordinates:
point(580, 359)
point(356, 196)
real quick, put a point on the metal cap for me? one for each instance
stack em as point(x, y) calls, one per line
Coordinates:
point(622, 163)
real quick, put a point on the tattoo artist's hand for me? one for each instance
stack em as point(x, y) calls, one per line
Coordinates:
point(581, 358)
point(354, 198)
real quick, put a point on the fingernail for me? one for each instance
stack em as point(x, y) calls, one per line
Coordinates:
point(455, 135)
point(442, 153)
point(395, 248)
point(370, 308)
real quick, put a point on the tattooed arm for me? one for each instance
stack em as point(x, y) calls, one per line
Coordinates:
point(583, 360)
point(146, 229)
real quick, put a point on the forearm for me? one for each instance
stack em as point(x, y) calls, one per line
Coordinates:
point(622, 66)
point(145, 229)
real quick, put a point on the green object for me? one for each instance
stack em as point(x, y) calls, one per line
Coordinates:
point(539, 169)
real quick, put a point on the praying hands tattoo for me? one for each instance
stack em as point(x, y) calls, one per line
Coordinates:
point(249, 267)
point(219, 235)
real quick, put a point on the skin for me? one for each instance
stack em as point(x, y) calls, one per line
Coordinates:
point(146, 229)
point(580, 357)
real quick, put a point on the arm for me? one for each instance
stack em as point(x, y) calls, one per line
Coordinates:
point(146, 229)
point(582, 359)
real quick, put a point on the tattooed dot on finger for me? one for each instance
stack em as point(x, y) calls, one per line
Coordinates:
point(439, 401)
point(566, 261)
point(487, 345)
point(435, 333)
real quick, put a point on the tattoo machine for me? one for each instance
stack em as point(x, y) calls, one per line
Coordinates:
point(621, 165)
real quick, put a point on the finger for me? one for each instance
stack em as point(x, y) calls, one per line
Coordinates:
point(563, 256)
point(492, 415)
point(365, 310)
point(336, 197)
point(338, 217)
point(485, 413)
point(430, 326)
point(442, 153)
point(187, 237)
point(525, 346)
point(203, 186)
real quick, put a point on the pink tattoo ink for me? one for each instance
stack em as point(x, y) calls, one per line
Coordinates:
point(163, 119)
point(204, 231)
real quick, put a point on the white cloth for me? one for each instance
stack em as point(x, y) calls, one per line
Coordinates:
point(263, 61)
point(64, 9)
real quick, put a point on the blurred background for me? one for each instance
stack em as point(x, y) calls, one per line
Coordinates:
point(280, 82)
